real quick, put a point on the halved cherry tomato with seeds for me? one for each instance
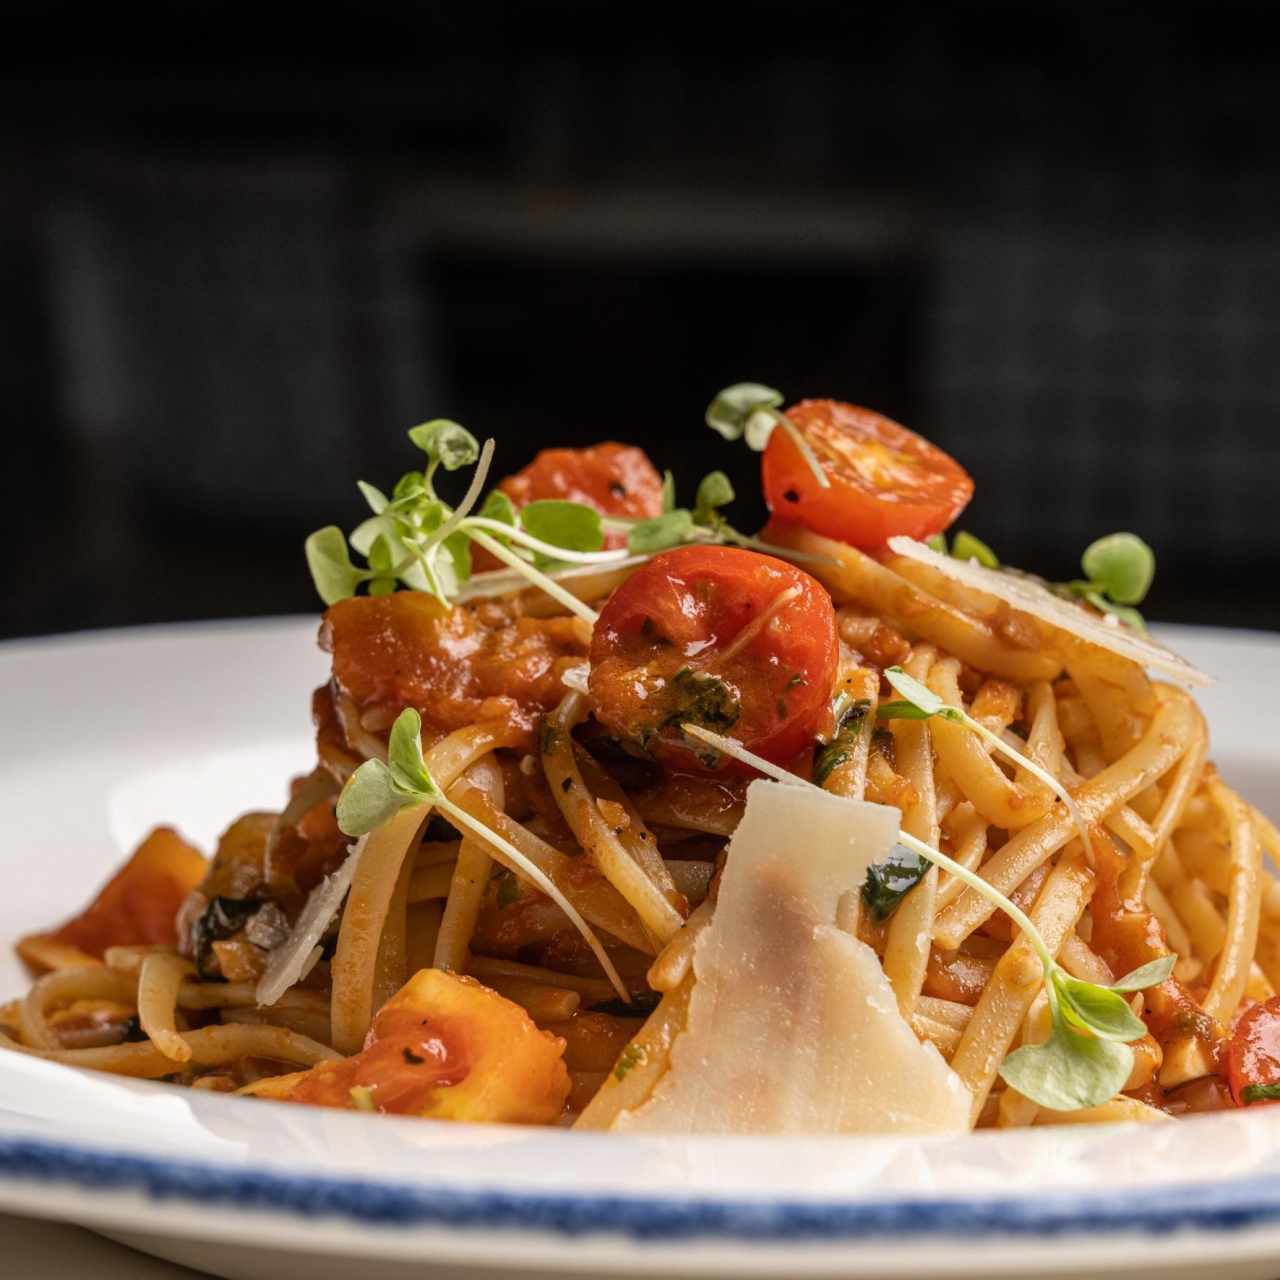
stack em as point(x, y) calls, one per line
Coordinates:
point(740, 643)
point(885, 479)
point(1253, 1054)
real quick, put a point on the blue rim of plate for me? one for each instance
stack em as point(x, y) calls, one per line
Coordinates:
point(1217, 1207)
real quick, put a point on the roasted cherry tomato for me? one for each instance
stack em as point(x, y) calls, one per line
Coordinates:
point(615, 479)
point(885, 480)
point(1253, 1055)
point(740, 643)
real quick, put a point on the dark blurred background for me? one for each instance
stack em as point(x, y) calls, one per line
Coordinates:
point(241, 250)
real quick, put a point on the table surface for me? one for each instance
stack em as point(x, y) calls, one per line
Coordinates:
point(38, 1250)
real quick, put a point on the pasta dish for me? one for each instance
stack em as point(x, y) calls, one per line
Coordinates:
point(622, 818)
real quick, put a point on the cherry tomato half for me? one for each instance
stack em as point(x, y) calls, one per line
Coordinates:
point(885, 480)
point(615, 479)
point(740, 643)
point(1253, 1054)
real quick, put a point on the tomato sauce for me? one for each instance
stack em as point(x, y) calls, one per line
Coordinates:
point(457, 666)
point(405, 1059)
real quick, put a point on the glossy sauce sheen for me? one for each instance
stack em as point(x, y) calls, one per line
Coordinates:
point(665, 644)
point(405, 1059)
point(457, 666)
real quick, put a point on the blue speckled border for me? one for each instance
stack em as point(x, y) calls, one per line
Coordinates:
point(1212, 1207)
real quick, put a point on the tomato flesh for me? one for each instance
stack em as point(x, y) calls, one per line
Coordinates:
point(884, 479)
point(667, 650)
point(1253, 1055)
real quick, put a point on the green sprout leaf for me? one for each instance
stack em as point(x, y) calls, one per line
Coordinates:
point(937, 542)
point(902, 711)
point(446, 443)
point(370, 798)
point(571, 525)
point(924, 699)
point(376, 792)
point(1070, 1071)
point(1259, 1093)
point(334, 575)
point(668, 492)
point(377, 500)
point(1129, 616)
point(714, 491)
point(731, 410)
point(1151, 974)
point(1120, 566)
point(660, 533)
point(1104, 1012)
point(964, 546)
point(404, 753)
point(497, 506)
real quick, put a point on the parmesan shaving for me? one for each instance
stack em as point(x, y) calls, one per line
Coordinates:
point(1031, 597)
point(296, 956)
point(793, 1026)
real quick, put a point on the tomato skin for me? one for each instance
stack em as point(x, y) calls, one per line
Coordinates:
point(885, 479)
point(1253, 1054)
point(656, 648)
point(615, 479)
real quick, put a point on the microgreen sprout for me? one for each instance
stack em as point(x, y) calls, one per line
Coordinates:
point(964, 546)
point(376, 792)
point(1118, 571)
point(749, 411)
point(1086, 1059)
point(921, 703)
point(414, 538)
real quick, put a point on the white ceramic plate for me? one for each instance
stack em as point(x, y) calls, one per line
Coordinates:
point(105, 735)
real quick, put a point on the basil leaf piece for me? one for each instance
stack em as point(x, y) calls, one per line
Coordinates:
point(1259, 1093)
point(334, 575)
point(1105, 1012)
point(660, 533)
point(447, 443)
point(1121, 565)
point(1151, 974)
point(1070, 1071)
point(571, 525)
point(830, 757)
point(888, 882)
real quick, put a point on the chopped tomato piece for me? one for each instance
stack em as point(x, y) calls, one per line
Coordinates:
point(1253, 1054)
point(444, 1047)
point(456, 666)
point(884, 479)
point(138, 906)
point(740, 643)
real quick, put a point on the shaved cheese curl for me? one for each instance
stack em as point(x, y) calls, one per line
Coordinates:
point(1033, 598)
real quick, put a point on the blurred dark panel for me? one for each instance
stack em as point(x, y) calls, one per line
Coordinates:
point(238, 259)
